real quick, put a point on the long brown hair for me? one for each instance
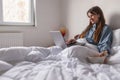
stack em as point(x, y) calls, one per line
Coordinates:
point(95, 10)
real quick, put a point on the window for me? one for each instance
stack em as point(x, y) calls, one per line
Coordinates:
point(17, 12)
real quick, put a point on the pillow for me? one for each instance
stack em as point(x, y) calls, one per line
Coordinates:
point(4, 66)
point(114, 59)
point(115, 49)
point(116, 37)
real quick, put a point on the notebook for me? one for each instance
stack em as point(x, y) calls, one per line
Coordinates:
point(58, 39)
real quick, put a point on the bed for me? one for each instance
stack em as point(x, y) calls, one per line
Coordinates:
point(40, 63)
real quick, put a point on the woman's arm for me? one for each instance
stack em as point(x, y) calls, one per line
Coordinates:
point(71, 41)
point(77, 36)
point(105, 41)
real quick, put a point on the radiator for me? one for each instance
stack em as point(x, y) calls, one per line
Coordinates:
point(11, 39)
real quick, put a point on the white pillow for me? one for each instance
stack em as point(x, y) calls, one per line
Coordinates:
point(115, 49)
point(4, 66)
point(116, 37)
point(114, 59)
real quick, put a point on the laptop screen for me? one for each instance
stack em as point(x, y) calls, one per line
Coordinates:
point(58, 39)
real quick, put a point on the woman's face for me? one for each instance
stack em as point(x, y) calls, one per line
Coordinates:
point(93, 18)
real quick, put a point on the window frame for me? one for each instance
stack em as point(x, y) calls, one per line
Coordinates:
point(32, 21)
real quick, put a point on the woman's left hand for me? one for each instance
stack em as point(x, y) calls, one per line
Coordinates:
point(77, 36)
point(104, 53)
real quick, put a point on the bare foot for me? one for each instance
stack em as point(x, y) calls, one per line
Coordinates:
point(105, 61)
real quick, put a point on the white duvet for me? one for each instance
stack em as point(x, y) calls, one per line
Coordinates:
point(50, 65)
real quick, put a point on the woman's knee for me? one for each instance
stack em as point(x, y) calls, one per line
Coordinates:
point(77, 51)
point(77, 47)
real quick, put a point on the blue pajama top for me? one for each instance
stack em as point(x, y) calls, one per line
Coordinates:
point(105, 40)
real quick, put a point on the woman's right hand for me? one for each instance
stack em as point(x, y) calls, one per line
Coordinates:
point(71, 41)
point(77, 36)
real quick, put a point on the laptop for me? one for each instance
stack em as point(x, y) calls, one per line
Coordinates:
point(58, 39)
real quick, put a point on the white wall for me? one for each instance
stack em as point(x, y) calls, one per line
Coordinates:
point(73, 17)
point(75, 14)
point(48, 18)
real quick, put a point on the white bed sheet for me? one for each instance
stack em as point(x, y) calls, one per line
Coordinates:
point(55, 68)
point(62, 70)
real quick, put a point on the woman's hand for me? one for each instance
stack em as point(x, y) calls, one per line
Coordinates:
point(77, 36)
point(71, 41)
point(104, 53)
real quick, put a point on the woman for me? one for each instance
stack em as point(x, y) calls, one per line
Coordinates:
point(96, 33)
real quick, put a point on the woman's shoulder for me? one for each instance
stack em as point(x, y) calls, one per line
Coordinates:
point(107, 27)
